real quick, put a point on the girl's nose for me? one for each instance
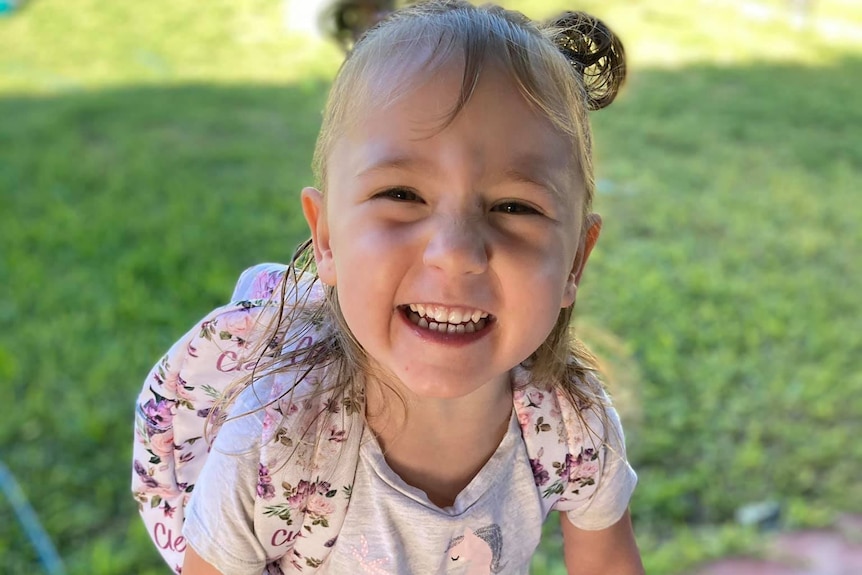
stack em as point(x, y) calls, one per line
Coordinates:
point(457, 247)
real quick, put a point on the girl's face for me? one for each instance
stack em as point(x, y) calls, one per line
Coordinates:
point(452, 249)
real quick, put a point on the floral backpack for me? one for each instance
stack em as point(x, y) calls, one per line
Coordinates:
point(298, 524)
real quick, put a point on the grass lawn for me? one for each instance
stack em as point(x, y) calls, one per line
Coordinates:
point(151, 151)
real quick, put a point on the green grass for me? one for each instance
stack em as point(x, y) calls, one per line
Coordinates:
point(150, 152)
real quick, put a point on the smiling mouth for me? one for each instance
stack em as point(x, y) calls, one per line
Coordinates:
point(447, 320)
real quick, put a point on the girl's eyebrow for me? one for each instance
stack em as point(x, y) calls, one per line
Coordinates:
point(405, 163)
point(535, 170)
point(513, 174)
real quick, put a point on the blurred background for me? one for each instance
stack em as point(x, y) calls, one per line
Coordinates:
point(150, 151)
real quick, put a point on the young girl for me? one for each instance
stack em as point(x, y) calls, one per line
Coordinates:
point(405, 396)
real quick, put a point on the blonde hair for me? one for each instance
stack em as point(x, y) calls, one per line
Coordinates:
point(564, 68)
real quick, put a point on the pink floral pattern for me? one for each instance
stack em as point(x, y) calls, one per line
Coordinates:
point(173, 406)
point(566, 461)
point(297, 514)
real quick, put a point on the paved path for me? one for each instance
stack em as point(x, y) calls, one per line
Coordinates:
point(836, 551)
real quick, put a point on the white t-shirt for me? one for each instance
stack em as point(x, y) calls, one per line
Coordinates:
point(390, 527)
point(494, 525)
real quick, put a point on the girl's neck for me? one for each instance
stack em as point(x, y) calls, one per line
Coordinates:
point(439, 445)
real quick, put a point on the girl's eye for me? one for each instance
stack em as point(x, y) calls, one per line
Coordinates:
point(515, 208)
point(400, 195)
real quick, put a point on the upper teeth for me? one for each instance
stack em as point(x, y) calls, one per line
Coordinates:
point(442, 314)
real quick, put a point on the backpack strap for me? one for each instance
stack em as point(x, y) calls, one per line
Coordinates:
point(171, 413)
point(564, 442)
point(309, 432)
point(309, 454)
point(172, 408)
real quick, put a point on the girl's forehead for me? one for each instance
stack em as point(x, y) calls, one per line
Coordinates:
point(497, 135)
point(423, 105)
point(434, 93)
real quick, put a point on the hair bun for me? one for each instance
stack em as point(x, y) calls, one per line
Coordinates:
point(594, 51)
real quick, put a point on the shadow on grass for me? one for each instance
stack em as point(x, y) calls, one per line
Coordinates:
point(127, 214)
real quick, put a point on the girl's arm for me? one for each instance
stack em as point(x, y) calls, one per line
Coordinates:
point(610, 551)
point(195, 565)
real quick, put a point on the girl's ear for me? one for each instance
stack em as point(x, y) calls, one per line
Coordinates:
point(592, 229)
point(314, 209)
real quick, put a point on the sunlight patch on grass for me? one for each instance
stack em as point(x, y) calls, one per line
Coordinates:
point(53, 46)
point(676, 33)
point(49, 45)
